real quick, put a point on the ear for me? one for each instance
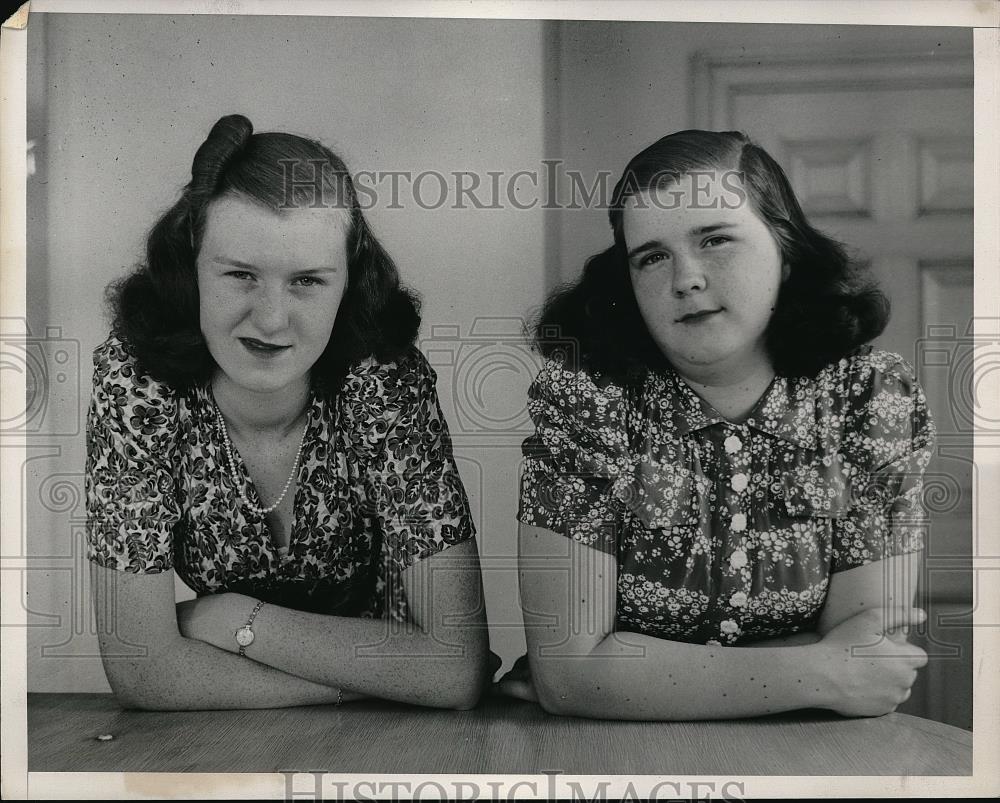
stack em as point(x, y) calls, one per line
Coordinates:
point(786, 271)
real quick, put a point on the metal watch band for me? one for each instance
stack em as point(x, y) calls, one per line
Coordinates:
point(247, 627)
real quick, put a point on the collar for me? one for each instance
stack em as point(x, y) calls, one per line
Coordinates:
point(786, 411)
point(317, 416)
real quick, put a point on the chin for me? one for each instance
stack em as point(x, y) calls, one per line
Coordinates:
point(258, 381)
point(700, 358)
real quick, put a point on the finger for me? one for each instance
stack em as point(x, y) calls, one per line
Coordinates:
point(518, 689)
point(900, 635)
point(915, 657)
point(893, 618)
point(526, 691)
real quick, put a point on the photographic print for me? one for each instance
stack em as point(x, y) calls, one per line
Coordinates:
point(561, 401)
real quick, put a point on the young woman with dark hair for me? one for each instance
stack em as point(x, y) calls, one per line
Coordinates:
point(263, 427)
point(720, 462)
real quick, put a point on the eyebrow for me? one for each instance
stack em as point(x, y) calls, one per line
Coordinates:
point(248, 266)
point(649, 245)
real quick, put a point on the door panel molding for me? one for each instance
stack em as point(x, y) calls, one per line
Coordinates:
point(719, 76)
point(834, 175)
point(945, 170)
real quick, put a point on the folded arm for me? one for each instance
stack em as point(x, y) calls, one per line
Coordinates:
point(581, 666)
point(890, 583)
point(150, 665)
point(438, 659)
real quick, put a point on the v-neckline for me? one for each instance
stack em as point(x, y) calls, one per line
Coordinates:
point(265, 536)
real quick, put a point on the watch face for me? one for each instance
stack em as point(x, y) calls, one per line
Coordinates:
point(244, 637)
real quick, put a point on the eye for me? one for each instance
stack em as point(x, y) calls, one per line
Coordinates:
point(309, 281)
point(652, 259)
point(716, 240)
point(242, 275)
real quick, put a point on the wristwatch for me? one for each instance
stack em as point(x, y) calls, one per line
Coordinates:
point(244, 636)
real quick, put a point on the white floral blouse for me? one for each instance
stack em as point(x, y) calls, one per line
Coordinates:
point(726, 533)
point(377, 489)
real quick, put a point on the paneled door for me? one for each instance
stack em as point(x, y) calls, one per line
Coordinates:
point(879, 151)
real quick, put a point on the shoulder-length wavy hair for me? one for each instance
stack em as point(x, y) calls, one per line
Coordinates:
point(155, 310)
point(827, 306)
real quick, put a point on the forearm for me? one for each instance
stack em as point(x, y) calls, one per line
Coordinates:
point(631, 676)
point(799, 639)
point(188, 674)
point(374, 657)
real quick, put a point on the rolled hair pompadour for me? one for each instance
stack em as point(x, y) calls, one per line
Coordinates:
point(155, 309)
point(827, 306)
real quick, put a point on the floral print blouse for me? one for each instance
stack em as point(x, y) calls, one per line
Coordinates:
point(377, 489)
point(723, 532)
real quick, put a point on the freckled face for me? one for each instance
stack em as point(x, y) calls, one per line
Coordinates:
point(270, 285)
point(706, 273)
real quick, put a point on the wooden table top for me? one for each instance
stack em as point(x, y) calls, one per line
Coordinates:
point(500, 736)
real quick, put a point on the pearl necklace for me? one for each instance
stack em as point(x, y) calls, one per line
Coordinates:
point(260, 511)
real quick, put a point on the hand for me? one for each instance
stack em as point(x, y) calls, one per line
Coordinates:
point(868, 663)
point(518, 683)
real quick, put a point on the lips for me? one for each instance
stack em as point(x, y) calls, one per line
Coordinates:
point(700, 315)
point(261, 346)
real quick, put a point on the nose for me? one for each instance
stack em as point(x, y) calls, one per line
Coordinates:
point(270, 311)
point(688, 276)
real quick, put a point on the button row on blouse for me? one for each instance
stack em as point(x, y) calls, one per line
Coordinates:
point(738, 523)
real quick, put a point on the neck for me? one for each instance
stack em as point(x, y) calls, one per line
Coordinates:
point(248, 412)
point(734, 390)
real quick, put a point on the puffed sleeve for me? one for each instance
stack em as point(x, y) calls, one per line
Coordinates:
point(576, 465)
point(131, 501)
point(890, 440)
point(420, 501)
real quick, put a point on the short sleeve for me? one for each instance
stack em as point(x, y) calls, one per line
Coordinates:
point(131, 500)
point(577, 462)
point(420, 501)
point(890, 441)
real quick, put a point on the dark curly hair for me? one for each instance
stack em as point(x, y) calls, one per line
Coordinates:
point(155, 310)
point(826, 308)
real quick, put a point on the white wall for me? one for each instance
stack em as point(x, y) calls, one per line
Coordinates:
point(118, 107)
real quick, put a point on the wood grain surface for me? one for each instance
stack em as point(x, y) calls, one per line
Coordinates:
point(500, 736)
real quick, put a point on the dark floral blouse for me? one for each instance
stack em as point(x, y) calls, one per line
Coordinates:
point(377, 489)
point(726, 533)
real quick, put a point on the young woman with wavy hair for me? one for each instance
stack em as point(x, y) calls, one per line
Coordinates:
point(263, 427)
point(720, 506)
